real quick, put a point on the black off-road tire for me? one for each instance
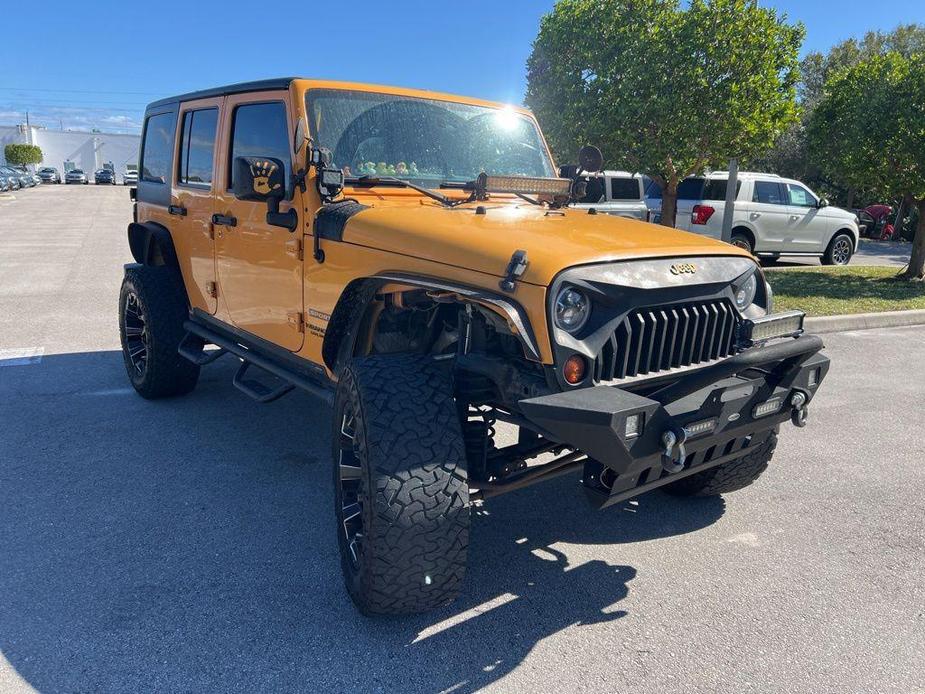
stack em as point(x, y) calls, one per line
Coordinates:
point(157, 295)
point(400, 482)
point(728, 477)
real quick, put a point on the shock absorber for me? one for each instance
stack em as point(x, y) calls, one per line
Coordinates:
point(478, 437)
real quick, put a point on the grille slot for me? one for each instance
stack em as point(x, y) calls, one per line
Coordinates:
point(650, 340)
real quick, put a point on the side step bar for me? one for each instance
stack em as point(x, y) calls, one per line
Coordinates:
point(192, 350)
point(250, 357)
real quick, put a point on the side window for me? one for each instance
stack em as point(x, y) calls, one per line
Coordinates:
point(157, 148)
point(624, 189)
point(768, 192)
point(690, 189)
point(260, 130)
point(800, 197)
point(197, 147)
point(594, 190)
point(715, 189)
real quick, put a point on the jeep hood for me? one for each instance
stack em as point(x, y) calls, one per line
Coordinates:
point(553, 240)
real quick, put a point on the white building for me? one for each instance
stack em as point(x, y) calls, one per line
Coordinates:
point(72, 149)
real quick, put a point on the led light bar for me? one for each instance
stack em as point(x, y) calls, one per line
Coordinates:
point(766, 408)
point(786, 324)
point(526, 185)
point(700, 428)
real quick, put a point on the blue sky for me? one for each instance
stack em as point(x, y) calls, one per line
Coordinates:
point(95, 64)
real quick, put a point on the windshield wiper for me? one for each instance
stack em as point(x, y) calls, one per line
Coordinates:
point(371, 181)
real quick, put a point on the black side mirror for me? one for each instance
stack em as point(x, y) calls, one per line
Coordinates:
point(261, 179)
point(258, 178)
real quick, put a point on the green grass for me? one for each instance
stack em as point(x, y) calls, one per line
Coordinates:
point(831, 291)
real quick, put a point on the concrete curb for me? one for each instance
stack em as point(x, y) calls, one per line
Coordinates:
point(864, 321)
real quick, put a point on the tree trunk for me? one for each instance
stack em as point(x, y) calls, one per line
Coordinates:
point(669, 203)
point(850, 203)
point(916, 269)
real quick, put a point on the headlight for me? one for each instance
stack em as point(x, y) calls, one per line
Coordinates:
point(745, 292)
point(572, 309)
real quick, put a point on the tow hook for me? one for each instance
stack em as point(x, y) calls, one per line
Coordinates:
point(800, 410)
point(670, 439)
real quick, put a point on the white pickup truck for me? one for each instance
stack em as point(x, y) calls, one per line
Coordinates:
point(617, 193)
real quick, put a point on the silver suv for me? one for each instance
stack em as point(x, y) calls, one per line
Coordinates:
point(773, 216)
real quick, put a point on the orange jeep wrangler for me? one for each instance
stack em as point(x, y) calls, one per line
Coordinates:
point(411, 259)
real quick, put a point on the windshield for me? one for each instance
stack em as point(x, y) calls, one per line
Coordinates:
point(424, 140)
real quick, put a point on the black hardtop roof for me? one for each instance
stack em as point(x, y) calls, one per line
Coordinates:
point(239, 88)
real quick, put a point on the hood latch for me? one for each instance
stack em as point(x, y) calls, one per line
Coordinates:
point(516, 267)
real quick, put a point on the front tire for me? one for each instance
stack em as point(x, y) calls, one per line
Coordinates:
point(152, 309)
point(840, 250)
point(728, 477)
point(401, 490)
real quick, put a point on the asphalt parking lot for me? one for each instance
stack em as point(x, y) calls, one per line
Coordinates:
point(188, 545)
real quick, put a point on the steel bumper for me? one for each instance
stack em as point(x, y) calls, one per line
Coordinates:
point(639, 442)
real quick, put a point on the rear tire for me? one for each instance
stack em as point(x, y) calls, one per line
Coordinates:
point(728, 477)
point(840, 250)
point(401, 491)
point(740, 240)
point(152, 309)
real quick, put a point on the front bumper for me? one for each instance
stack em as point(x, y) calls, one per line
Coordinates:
point(711, 414)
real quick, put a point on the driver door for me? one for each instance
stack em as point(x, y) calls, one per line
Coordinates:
point(258, 265)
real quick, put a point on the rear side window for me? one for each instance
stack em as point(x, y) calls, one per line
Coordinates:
point(261, 130)
point(157, 148)
point(624, 189)
point(769, 192)
point(688, 189)
point(715, 189)
point(197, 147)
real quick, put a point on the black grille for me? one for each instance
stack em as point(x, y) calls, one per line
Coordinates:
point(650, 340)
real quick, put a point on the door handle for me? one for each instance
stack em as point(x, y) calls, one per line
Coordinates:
point(178, 210)
point(224, 220)
point(794, 217)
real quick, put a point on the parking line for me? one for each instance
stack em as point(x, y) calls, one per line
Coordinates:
point(21, 356)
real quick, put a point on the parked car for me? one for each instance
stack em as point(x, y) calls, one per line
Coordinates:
point(130, 177)
point(23, 178)
point(105, 177)
point(617, 193)
point(75, 176)
point(49, 174)
point(423, 315)
point(773, 216)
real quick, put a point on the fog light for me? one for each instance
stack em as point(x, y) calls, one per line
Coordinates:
point(633, 426)
point(766, 408)
point(700, 428)
point(574, 369)
point(813, 378)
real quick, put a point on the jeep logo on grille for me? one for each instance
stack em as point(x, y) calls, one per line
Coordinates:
point(683, 269)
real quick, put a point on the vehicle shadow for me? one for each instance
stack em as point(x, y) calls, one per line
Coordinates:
point(187, 545)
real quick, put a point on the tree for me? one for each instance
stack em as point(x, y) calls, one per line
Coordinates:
point(868, 129)
point(661, 89)
point(789, 156)
point(20, 154)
